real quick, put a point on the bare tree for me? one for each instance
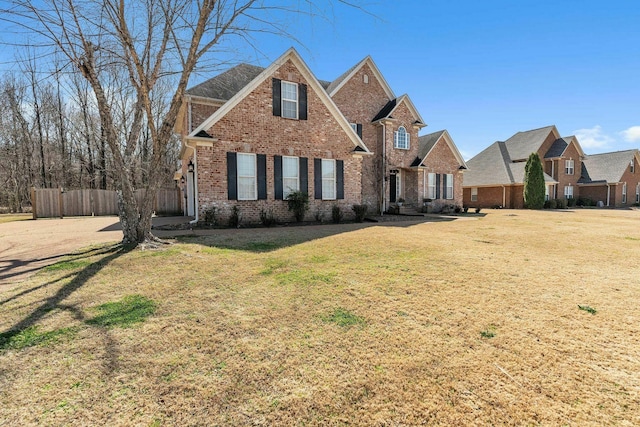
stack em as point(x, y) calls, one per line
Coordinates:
point(145, 41)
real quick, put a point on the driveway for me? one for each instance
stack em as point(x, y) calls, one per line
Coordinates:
point(26, 246)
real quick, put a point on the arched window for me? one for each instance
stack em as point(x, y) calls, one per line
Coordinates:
point(401, 138)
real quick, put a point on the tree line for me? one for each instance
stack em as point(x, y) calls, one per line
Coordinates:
point(51, 137)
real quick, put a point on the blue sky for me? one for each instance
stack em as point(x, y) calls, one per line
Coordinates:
point(485, 70)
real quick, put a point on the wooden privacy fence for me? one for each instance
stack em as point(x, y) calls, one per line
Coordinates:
point(54, 202)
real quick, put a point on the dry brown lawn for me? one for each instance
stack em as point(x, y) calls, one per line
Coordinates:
point(468, 322)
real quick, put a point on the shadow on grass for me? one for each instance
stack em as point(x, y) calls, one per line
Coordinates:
point(28, 324)
point(271, 239)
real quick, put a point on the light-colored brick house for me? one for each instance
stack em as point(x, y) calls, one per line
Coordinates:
point(611, 178)
point(496, 175)
point(251, 135)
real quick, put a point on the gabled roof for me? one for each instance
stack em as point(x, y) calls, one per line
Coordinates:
point(560, 145)
point(224, 86)
point(390, 107)
point(335, 85)
point(606, 167)
point(522, 144)
point(290, 55)
point(427, 142)
point(493, 166)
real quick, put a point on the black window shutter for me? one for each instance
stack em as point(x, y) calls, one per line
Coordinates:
point(359, 129)
point(262, 176)
point(304, 175)
point(392, 188)
point(339, 179)
point(277, 177)
point(277, 102)
point(232, 176)
point(317, 178)
point(437, 186)
point(302, 101)
point(444, 186)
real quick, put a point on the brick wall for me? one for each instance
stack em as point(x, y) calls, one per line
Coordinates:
point(250, 127)
point(442, 160)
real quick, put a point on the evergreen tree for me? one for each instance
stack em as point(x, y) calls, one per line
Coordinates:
point(534, 183)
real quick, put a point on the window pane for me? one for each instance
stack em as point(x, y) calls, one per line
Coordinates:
point(432, 186)
point(328, 169)
point(328, 189)
point(289, 109)
point(290, 167)
point(246, 164)
point(289, 91)
point(246, 188)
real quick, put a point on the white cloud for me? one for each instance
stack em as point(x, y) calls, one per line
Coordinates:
point(632, 134)
point(593, 138)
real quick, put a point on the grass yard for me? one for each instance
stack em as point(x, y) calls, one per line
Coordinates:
point(14, 217)
point(517, 318)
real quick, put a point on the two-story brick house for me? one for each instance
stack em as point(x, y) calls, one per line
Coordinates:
point(251, 135)
point(611, 178)
point(496, 175)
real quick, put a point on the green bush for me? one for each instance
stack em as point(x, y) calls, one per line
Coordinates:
point(550, 204)
point(298, 203)
point(478, 210)
point(319, 215)
point(236, 217)
point(210, 217)
point(533, 183)
point(360, 211)
point(585, 201)
point(561, 204)
point(336, 214)
point(571, 202)
point(267, 218)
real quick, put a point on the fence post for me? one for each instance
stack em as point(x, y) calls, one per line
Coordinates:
point(33, 203)
point(61, 203)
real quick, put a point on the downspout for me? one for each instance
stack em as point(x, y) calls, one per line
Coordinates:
point(608, 194)
point(195, 181)
point(384, 166)
point(504, 196)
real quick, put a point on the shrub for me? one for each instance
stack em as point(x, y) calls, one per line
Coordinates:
point(585, 201)
point(336, 214)
point(533, 183)
point(466, 209)
point(319, 215)
point(478, 210)
point(550, 204)
point(210, 216)
point(360, 211)
point(267, 218)
point(298, 203)
point(561, 204)
point(571, 202)
point(457, 209)
point(236, 217)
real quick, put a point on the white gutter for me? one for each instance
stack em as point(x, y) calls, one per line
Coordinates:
point(195, 181)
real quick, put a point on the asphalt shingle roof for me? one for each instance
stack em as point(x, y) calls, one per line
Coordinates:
point(224, 86)
point(489, 167)
point(606, 167)
point(426, 143)
point(522, 144)
point(386, 110)
point(557, 148)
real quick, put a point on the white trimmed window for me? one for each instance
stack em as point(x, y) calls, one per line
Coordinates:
point(328, 179)
point(568, 167)
point(568, 191)
point(632, 166)
point(431, 186)
point(638, 193)
point(289, 100)
point(247, 183)
point(474, 194)
point(290, 175)
point(546, 192)
point(354, 126)
point(401, 138)
point(449, 189)
point(624, 193)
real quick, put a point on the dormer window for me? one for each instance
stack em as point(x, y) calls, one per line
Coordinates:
point(289, 100)
point(401, 138)
point(632, 167)
point(568, 167)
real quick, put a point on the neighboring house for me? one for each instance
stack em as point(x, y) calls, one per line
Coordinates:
point(611, 178)
point(496, 175)
point(442, 168)
point(252, 135)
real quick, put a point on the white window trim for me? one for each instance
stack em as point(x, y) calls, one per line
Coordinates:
point(407, 139)
point(334, 179)
point(474, 194)
point(624, 193)
point(638, 193)
point(546, 192)
point(431, 186)
point(285, 191)
point(255, 176)
point(283, 99)
point(632, 166)
point(449, 186)
point(569, 167)
point(568, 191)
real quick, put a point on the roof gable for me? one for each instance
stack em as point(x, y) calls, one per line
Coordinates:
point(224, 86)
point(428, 142)
point(522, 144)
point(290, 55)
point(338, 83)
point(391, 106)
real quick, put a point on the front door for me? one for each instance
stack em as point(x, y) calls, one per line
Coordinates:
point(392, 188)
